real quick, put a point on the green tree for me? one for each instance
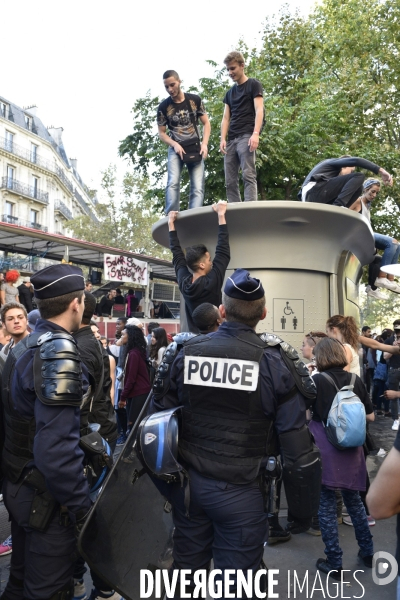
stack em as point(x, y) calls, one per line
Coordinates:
point(331, 88)
point(125, 217)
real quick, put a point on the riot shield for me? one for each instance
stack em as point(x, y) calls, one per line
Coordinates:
point(128, 529)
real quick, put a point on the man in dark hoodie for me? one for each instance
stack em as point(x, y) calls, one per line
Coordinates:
point(205, 283)
point(334, 181)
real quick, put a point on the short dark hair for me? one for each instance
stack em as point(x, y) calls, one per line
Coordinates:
point(243, 311)
point(365, 328)
point(396, 322)
point(194, 254)
point(91, 323)
point(90, 307)
point(52, 307)
point(329, 353)
point(9, 306)
point(123, 319)
point(205, 317)
point(152, 325)
point(171, 73)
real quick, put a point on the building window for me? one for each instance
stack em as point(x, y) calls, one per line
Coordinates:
point(3, 110)
point(35, 185)
point(28, 122)
point(9, 141)
point(10, 177)
point(33, 216)
point(34, 149)
point(8, 216)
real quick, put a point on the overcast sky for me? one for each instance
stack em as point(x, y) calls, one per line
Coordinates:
point(84, 63)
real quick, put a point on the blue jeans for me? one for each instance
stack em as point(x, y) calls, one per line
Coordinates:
point(196, 178)
point(390, 249)
point(329, 526)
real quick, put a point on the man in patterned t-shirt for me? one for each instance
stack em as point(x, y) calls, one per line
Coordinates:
point(242, 122)
point(174, 112)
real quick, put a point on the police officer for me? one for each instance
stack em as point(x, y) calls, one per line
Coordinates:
point(45, 490)
point(240, 394)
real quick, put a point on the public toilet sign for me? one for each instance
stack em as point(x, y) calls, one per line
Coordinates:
point(288, 315)
point(125, 269)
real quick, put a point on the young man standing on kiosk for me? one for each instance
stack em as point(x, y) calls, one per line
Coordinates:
point(180, 112)
point(242, 121)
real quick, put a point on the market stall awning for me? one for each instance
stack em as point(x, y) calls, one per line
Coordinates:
point(36, 243)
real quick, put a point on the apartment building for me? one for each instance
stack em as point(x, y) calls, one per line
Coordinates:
point(40, 186)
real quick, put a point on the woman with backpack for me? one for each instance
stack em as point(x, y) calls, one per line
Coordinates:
point(136, 385)
point(344, 469)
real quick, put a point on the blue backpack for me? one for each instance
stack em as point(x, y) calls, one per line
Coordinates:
point(346, 423)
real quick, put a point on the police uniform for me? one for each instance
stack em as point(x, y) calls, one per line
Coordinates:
point(238, 396)
point(45, 490)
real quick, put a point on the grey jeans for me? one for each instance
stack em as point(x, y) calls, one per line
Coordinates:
point(238, 156)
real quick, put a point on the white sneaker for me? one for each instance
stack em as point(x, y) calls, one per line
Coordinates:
point(395, 425)
point(383, 282)
point(376, 294)
point(382, 453)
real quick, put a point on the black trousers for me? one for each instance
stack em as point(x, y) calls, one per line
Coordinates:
point(339, 191)
point(42, 563)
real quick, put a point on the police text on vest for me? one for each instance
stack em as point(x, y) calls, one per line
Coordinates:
point(228, 373)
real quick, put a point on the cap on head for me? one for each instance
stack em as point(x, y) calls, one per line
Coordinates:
point(242, 286)
point(134, 321)
point(57, 280)
point(33, 316)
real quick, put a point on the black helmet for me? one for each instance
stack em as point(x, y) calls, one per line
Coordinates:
point(157, 440)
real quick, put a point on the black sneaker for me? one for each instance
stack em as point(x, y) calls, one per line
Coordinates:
point(295, 527)
point(366, 559)
point(325, 567)
point(278, 535)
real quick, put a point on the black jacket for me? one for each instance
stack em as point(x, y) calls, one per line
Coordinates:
point(331, 167)
point(100, 409)
point(25, 297)
point(206, 288)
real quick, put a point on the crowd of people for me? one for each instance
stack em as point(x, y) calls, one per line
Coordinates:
point(45, 415)
point(254, 417)
point(109, 383)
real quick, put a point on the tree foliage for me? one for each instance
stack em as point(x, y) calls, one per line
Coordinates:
point(331, 88)
point(125, 216)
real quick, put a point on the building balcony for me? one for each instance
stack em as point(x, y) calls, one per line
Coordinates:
point(16, 221)
point(85, 206)
point(60, 207)
point(22, 189)
point(34, 158)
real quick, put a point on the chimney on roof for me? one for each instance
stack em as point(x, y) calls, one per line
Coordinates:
point(56, 134)
point(74, 163)
point(32, 110)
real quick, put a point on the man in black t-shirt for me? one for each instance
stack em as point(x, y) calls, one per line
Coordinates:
point(242, 123)
point(179, 112)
